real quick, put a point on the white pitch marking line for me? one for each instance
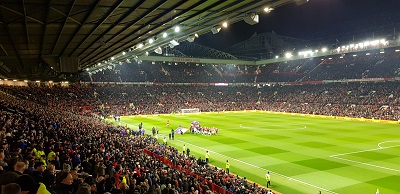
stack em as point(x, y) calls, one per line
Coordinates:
point(289, 178)
point(299, 128)
point(379, 144)
point(373, 165)
point(379, 148)
point(241, 126)
point(363, 163)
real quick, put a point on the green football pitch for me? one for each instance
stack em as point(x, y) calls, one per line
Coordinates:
point(303, 154)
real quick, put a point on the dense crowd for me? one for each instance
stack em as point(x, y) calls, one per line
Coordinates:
point(46, 149)
point(368, 64)
point(359, 100)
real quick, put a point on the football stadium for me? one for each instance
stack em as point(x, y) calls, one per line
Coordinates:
point(199, 97)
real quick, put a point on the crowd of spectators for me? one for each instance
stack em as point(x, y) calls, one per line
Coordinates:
point(48, 149)
point(367, 64)
point(360, 100)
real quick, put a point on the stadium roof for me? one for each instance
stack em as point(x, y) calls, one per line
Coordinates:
point(54, 38)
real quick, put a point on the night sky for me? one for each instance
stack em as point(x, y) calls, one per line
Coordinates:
point(314, 20)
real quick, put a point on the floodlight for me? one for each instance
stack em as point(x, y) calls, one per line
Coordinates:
point(177, 29)
point(196, 35)
point(225, 24)
point(164, 35)
point(140, 45)
point(288, 55)
point(112, 58)
point(123, 53)
point(268, 9)
point(151, 40)
point(324, 49)
point(25, 80)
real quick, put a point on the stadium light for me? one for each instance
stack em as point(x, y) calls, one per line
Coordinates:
point(354, 55)
point(368, 54)
point(151, 40)
point(14, 80)
point(288, 55)
point(225, 24)
point(123, 53)
point(397, 50)
point(164, 35)
point(112, 58)
point(25, 80)
point(268, 9)
point(100, 63)
point(140, 45)
point(177, 29)
point(147, 53)
point(196, 35)
point(276, 57)
point(37, 81)
point(324, 49)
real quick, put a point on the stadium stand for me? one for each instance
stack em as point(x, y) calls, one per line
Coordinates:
point(370, 64)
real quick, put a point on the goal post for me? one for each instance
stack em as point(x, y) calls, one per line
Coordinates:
point(190, 110)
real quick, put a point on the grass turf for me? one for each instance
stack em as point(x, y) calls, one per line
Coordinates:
point(303, 154)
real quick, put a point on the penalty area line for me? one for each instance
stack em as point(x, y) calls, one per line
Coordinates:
point(252, 165)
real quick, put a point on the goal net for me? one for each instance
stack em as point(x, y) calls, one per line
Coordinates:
point(190, 110)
